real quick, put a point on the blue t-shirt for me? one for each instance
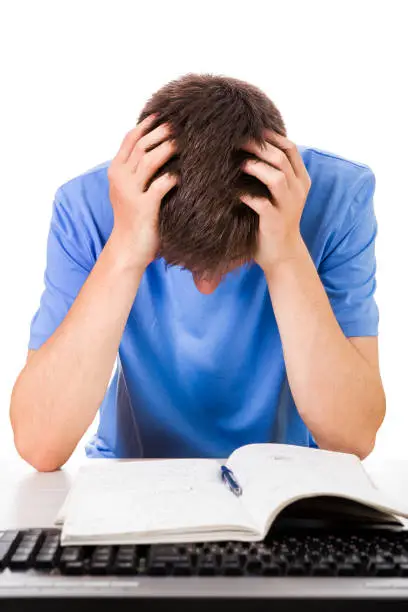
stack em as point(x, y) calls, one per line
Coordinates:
point(199, 375)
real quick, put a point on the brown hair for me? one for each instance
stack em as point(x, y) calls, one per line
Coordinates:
point(203, 225)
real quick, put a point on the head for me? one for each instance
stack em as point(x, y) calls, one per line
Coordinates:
point(204, 227)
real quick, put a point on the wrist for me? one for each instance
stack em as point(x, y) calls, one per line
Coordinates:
point(121, 251)
point(294, 253)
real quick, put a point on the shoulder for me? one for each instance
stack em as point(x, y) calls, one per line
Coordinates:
point(82, 206)
point(339, 190)
point(329, 170)
point(91, 185)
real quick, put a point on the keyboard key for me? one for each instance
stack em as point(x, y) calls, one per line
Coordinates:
point(47, 556)
point(207, 565)
point(296, 569)
point(24, 554)
point(9, 535)
point(182, 568)
point(72, 560)
point(124, 568)
point(403, 569)
point(386, 569)
point(125, 562)
point(159, 569)
point(165, 559)
point(354, 560)
point(101, 560)
point(8, 544)
point(103, 552)
point(46, 560)
point(322, 569)
point(272, 569)
point(71, 553)
point(166, 553)
point(75, 568)
point(346, 569)
point(254, 566)
point(231, 565)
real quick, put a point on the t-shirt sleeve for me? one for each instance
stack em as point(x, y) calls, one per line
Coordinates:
point(68, 263)
point(348, 269)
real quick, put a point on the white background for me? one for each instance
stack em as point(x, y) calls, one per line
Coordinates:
point(75, 74)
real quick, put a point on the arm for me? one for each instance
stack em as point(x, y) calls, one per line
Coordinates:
point(58, 392)
point(335, 381)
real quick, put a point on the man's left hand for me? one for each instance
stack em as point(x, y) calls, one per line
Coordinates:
point(280, 167)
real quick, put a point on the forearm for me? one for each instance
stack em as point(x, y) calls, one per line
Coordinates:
point(59, 391)
point(336, 391)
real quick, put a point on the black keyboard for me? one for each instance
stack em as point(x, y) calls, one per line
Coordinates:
point(370, 553)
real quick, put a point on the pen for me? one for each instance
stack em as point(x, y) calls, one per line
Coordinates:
point(228, 477)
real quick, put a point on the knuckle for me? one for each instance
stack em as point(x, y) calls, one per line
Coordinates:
point(306, 183)
point(144, 162)
point(157, 187)
point(158, 182)
point(264, 205)
point(112, 171)
point(139, 146)
point(164, 181)
point(279, 179)
point(170, 144)
point(168, 178)
point(165, 128)
point(280, 157)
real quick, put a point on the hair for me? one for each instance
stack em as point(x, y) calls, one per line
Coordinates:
point(203, 225)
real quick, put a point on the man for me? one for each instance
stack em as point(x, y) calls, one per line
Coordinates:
point(230, 271)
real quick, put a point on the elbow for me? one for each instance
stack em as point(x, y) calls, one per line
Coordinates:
point(361, 447)
point(361, 442)
point(365, 443)
point(364, 450)
point(31, 447)
point(378, 417)
point(40, 458)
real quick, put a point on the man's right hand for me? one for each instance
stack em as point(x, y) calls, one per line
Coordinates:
point(136, 210)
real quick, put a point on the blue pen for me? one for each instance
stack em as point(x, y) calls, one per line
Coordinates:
point(229, 478)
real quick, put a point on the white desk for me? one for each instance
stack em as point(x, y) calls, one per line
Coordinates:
point(32, 499)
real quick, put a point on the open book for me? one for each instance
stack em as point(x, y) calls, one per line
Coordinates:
point(186, 500)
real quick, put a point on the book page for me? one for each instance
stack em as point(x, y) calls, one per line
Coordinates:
point(90, 465)
point(273, 474)
point(150, 497)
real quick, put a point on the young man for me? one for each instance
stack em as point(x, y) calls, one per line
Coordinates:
point(230, 271)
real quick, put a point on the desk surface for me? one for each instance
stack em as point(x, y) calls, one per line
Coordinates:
point(32, 499)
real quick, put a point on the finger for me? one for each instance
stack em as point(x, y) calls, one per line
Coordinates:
point(156, 136)
point(163, 184)
point(131, 139)
point(273, 156)
point(292, 152)
point(146, 142)
point(260, 205)
point(274, 179)
point(152, 161)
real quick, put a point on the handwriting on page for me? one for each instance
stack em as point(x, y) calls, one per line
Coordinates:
point(139, 497)
point(270, 474)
